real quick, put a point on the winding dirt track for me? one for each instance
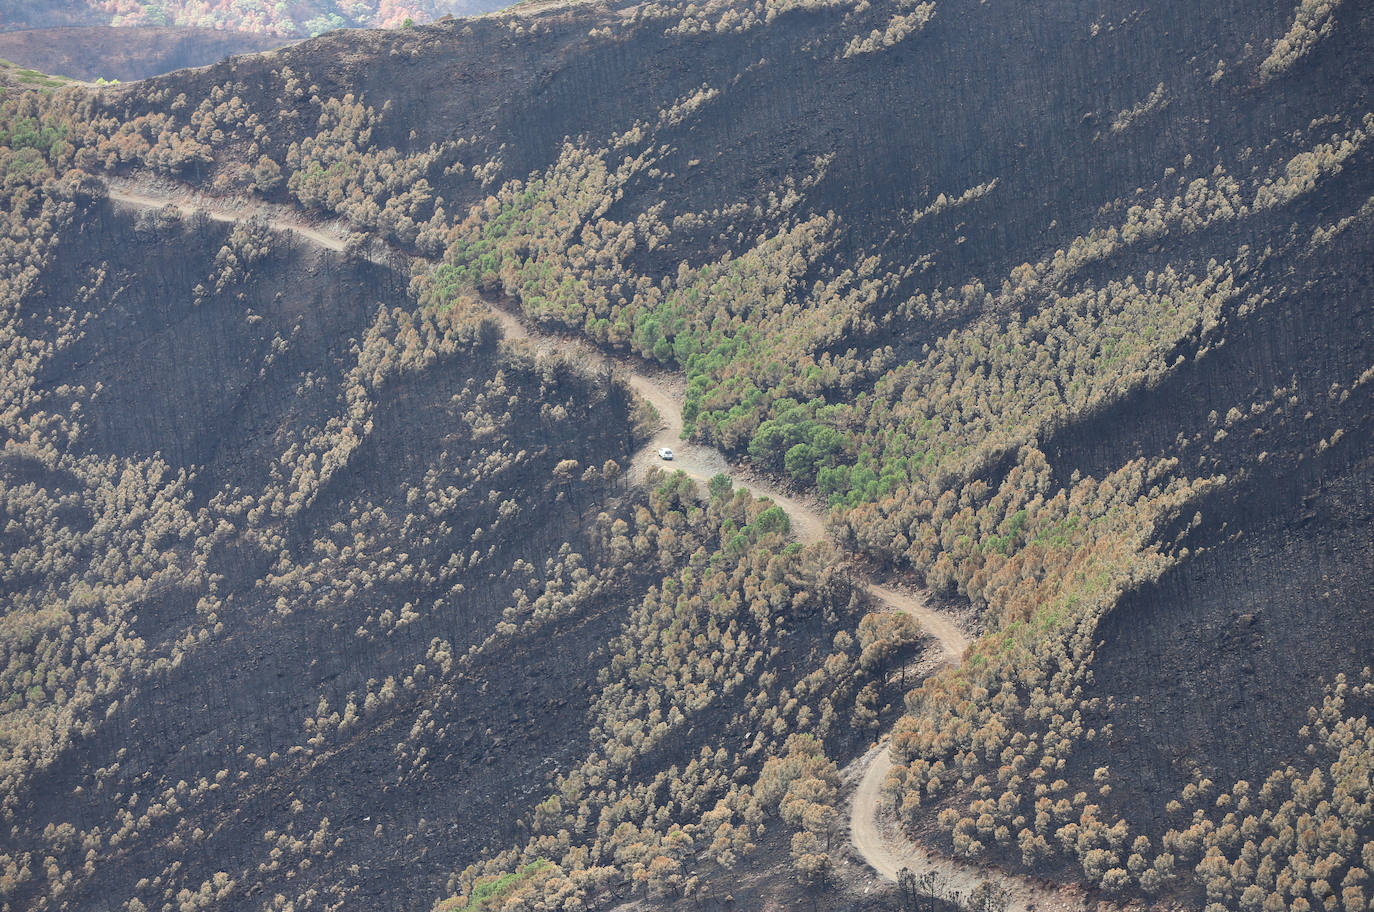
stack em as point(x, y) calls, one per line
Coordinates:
point(874, 835)
point(189, 202)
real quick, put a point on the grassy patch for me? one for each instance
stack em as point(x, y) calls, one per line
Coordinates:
point(31, 78)
point(489, 892)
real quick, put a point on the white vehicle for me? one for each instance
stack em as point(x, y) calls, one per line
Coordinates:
point(665, 454)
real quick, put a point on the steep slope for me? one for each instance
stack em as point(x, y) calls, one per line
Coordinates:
point(308, 457)
point(272, 552)
point(1053, 312)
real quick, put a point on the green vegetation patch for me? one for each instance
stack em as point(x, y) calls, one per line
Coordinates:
point(490, 893)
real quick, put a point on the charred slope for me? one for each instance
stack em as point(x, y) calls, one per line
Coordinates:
point(293, 618)
point(1020, 295)
point(981, 93)
point(316, 590)
point(1213, 667)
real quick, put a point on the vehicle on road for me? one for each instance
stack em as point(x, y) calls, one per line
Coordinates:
point(665, 454)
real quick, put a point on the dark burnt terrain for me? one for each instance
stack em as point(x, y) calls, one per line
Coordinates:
point(320, 591)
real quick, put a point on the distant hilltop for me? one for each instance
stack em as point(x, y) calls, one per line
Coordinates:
point(291, 20)
point(89, 53)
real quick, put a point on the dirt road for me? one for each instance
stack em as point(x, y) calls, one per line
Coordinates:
point(875, 837)
point(873, 831)
point(189, 202)
point(878, 839)
point(699, 462)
